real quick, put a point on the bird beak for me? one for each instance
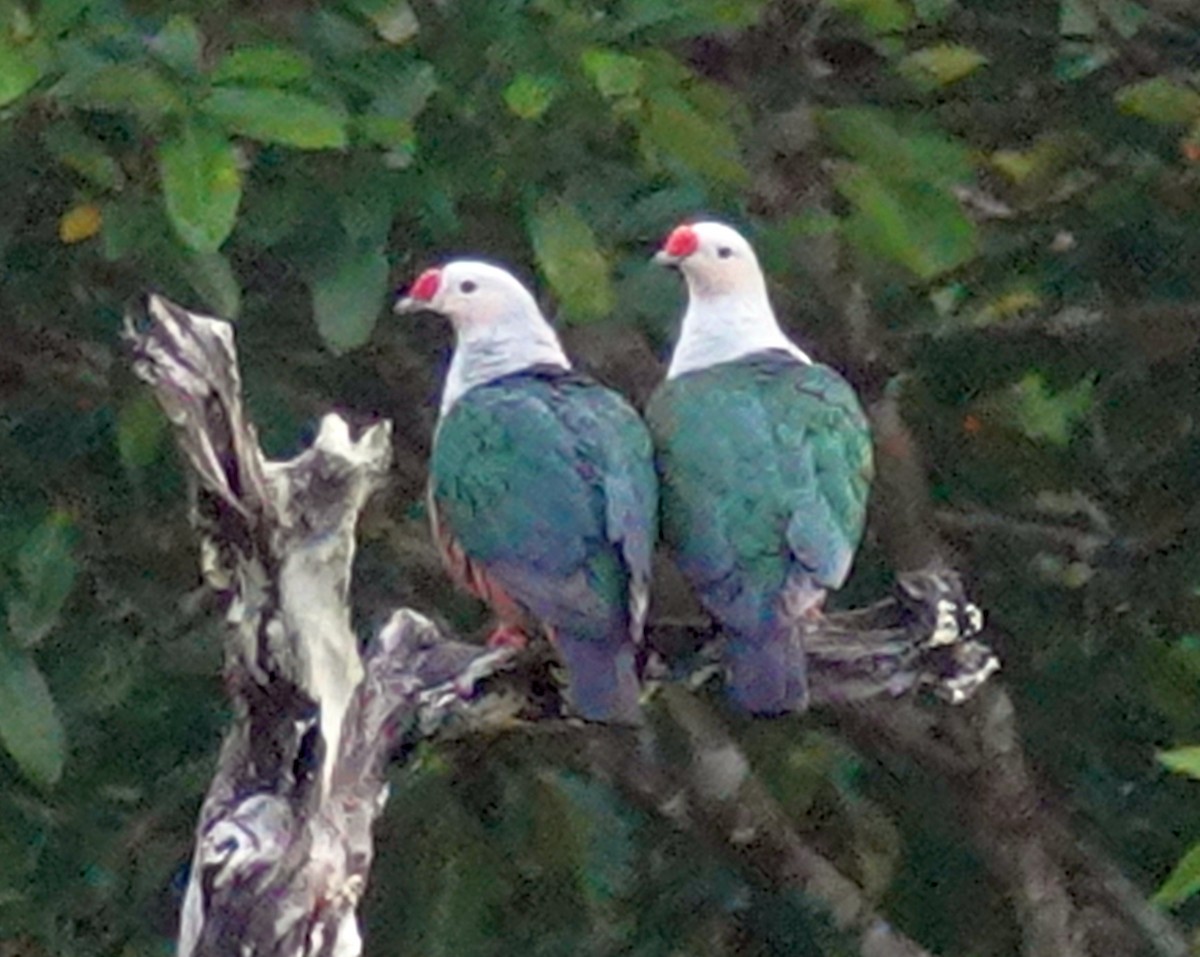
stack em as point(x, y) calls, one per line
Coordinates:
point(682, 242)
point(420, 296)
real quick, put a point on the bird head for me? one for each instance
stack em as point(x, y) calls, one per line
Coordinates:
point(471, 294)
point(714, 258)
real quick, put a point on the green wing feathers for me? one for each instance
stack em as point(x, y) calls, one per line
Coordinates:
point(545, 482)
point(765, 465)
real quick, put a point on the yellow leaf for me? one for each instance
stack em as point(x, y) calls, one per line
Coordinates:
point(79, 223)
point(1160, 100)
point(1010, 304)
point(942, 64)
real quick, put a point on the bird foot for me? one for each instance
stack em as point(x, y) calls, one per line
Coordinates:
point(508, 636)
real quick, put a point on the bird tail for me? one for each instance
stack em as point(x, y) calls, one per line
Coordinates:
point(602, 678)
point(768, 674)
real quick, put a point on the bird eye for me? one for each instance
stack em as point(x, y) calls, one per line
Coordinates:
point(467, 285)
point(724, 252)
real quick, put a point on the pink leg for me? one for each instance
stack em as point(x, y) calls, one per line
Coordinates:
point(507, 636)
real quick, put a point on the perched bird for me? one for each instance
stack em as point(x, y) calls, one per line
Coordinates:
point(764, 462)
point(542, 489)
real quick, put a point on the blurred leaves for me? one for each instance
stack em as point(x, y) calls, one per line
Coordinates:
point(277, 116)
point(178, 44)
point(901, 191)
point(1160, 101)
point(348, 295)
point(1182, 761)
point(529, 96)
point(673, 128)
point(394, 20)
point(18, 71)
point(1045, 414)
point(1183, 882)
point(571, 259)
point(896, 147)
point(942, 64)
point(83, 154)
point(881, 16)
point(211, 275)
point(45, 569)
point(920, 228)
point(614, 74)
point(1010, 194)
point(79, 223)
point(30, 727)
point(122, 88)
point(201, 185)
point(265, 63)
point(141, 432)
point(35, 593)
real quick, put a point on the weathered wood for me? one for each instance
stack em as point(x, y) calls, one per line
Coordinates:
point(283, 844)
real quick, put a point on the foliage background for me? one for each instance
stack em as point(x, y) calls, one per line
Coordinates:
point(991, 207)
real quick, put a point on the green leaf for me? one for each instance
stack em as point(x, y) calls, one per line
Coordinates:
point(1076, 18)
point(141, 430)
point(366, 203)
point(942, 64)
point(136, 226)
point(933, 11)
point(339, 36)
point(390, 133)
point(265, 63)
point(201, 185)
point(569, 256)
point(1126, 17)
point(55, 16)
point(123, 88)
point(706, 145)
point(1078, 60)
point(76, 150)
point(178, 44)
point(1160, 101)
point(348, 297)
point(896, 149)
point(688, 18)
point(18, 71)
point(613, 74)
point(916, 225)
point(529, 96)
point(402, 95)
point(46, 569)
point(276, 116)
point(1047, 415)
point(1183, 882)
point(30, 727)
point(1182, 760)
point(214, 279)
point(881, 16)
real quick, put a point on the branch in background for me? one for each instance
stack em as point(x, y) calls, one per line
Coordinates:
point(1060, 906)
point(283, 845)
point(1078, 541)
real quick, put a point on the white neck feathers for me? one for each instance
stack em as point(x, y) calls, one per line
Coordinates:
point(496, 347)
point(728, 326)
